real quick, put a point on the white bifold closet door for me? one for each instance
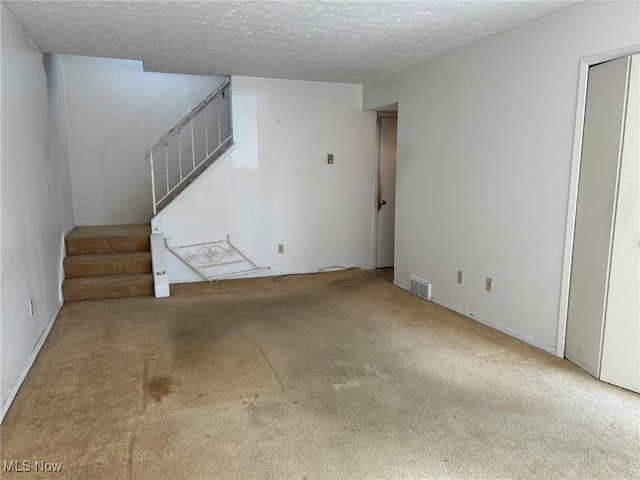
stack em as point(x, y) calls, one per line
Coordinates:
point(603, 323)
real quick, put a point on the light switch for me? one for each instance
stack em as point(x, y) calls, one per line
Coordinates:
point(489, 284)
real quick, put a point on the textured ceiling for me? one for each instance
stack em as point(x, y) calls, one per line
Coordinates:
point(356, 42)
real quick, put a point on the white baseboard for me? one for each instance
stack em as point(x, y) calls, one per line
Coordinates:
point(61, 277)
point(267, 272)
point(496, 326)
point(8, 400)
point(489, 323)
point(402, 285)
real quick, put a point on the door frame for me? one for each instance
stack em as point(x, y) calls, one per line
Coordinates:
point(565, 282)
point(376, 181)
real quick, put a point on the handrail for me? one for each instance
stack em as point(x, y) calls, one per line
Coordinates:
point(175, 169)
point(185, 179)
point(188, 116)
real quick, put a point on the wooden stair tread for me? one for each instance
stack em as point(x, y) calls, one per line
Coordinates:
point(107, 286)
point(101, 264)
point(108, 239)
point(110, 231)
point(96, 257)
point(111, 279)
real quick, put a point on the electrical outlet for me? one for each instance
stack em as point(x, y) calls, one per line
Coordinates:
point(460, 277)
point(330, 158)
point(281, 248)
point(31, 307)
point(489, 284)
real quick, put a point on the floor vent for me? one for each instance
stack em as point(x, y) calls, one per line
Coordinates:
point(420, 287)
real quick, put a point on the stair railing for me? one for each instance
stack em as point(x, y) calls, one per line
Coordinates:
point(186, 150)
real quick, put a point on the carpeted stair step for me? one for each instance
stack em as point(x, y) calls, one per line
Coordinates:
point(107, 264)
point(107, 286)
point(108, 239)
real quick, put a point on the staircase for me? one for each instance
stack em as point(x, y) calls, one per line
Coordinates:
point(179, 161)
point(116, 261)
point(107, 262)
point(193, 145)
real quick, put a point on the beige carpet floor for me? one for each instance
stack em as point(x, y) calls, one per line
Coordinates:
point(330, 376)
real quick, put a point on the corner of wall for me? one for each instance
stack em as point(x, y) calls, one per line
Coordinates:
point(35, 160)
point(8, 399)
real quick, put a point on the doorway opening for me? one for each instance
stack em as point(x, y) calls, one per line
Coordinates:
point(387, 135)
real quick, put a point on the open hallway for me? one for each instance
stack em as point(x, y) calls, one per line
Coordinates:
point(334, 375)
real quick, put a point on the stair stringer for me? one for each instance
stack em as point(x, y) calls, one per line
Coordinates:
point(158, 244)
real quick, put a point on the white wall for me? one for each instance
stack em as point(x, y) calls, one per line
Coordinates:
point(36, 203)
point(276, 187)
point(484, 152)
point(116, 111)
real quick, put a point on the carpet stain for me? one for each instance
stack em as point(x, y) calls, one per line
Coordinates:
point(158, 387)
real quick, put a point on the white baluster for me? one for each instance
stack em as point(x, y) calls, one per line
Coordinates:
point(206, 133)
point(180, 153)
point(153, 182)
point(166, 161)
point(193, 145)
point(219, 133)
